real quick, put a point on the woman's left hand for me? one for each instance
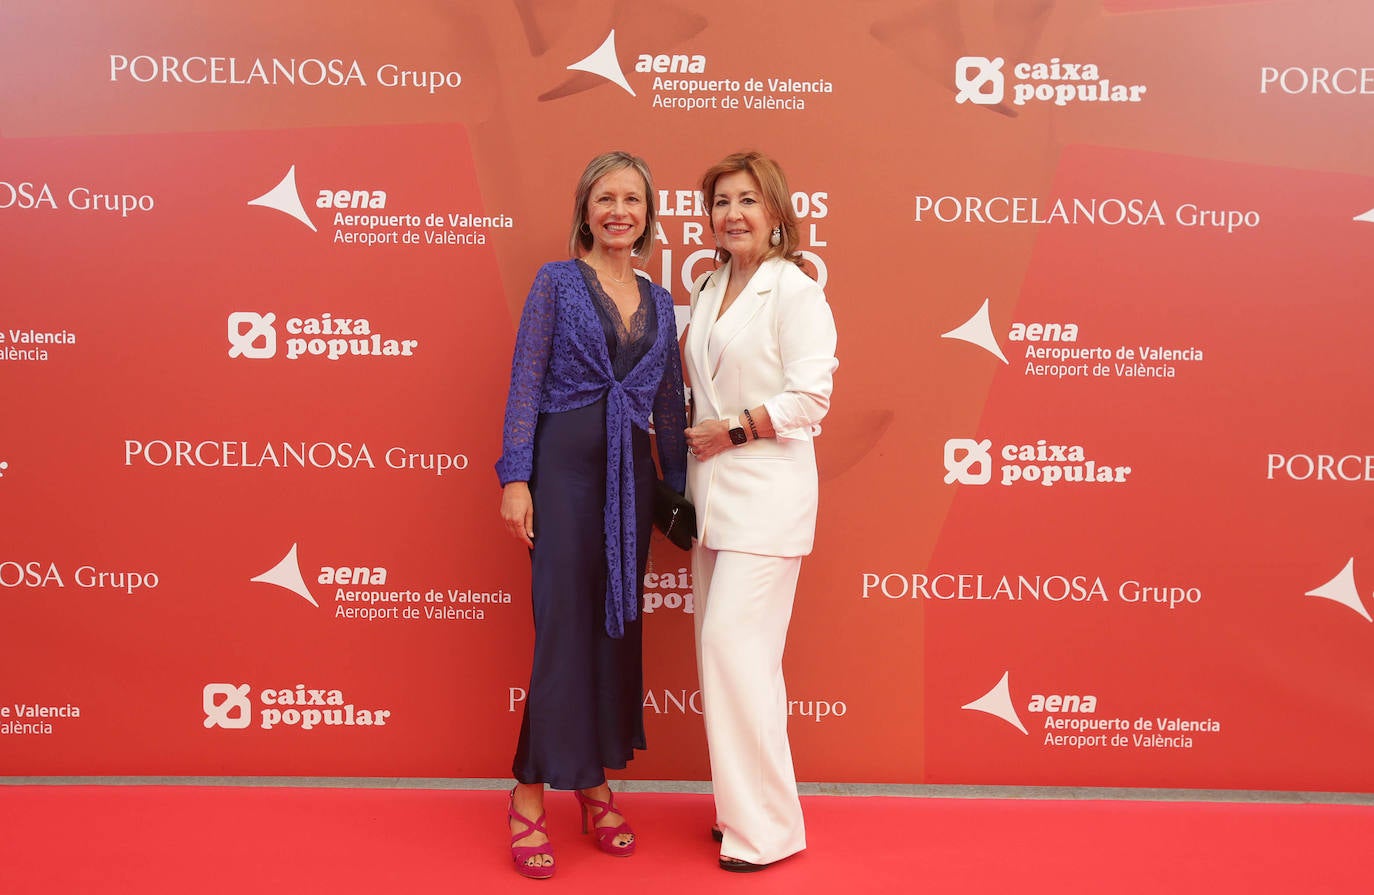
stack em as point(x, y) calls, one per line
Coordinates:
point(709, 438)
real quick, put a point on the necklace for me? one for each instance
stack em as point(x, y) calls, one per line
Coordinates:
point(607, 274)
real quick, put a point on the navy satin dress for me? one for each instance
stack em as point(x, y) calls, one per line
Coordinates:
point(585, 707)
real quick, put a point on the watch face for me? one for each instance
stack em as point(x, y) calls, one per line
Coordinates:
point(737, 436)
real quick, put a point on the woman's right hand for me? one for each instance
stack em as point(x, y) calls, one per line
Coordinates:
point(517, 511)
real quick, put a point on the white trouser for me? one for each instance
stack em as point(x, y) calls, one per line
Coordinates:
point(743, 606)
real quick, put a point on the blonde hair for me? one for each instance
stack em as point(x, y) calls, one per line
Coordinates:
point(579, 240)
point(777, 199)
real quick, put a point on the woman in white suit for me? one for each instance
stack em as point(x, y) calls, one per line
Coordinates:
point(761, 355)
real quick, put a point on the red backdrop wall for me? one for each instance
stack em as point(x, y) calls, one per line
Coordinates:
point(1095, 488)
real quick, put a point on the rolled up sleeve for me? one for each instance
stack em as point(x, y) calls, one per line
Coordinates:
point(806, 339)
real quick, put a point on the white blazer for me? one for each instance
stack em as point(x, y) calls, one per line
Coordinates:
point(774, 346)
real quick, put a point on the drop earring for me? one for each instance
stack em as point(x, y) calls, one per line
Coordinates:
point(776, 238)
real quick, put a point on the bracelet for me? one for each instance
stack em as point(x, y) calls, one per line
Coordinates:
point(749, 418)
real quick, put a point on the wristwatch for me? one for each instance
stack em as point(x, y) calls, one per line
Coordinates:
point(737, 434)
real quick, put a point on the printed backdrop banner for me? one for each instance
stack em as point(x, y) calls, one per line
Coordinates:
point(1095, 486)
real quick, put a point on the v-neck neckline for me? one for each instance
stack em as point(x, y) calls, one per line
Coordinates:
point(627, 326)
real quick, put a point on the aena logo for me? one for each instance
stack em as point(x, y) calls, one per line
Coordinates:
point(997, 702)
point(604, 62)
point(287, 574)
point(284, 197)
point(1342, 589)
point(977, 330)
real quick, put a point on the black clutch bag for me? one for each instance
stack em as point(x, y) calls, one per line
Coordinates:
point(674, 515)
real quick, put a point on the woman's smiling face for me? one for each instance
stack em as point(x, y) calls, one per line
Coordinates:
point(741, 223)
point(616, 209)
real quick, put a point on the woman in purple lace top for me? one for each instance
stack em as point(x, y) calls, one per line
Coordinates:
point(595, 356)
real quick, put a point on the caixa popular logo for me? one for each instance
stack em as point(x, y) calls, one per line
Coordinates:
point(27, 195)
point(972, 462)
point(254, 336)
point(231, 707)
point(668, 590)
point(982, 81)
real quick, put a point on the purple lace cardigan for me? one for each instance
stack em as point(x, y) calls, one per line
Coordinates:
point(561, 363)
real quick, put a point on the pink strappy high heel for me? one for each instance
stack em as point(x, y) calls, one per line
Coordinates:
point(605, 836)
point(520, 854)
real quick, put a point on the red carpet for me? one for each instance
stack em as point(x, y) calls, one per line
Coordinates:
point(201, 840)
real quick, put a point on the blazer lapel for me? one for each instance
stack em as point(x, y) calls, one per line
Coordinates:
point(747, 305)
point(699, 336)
